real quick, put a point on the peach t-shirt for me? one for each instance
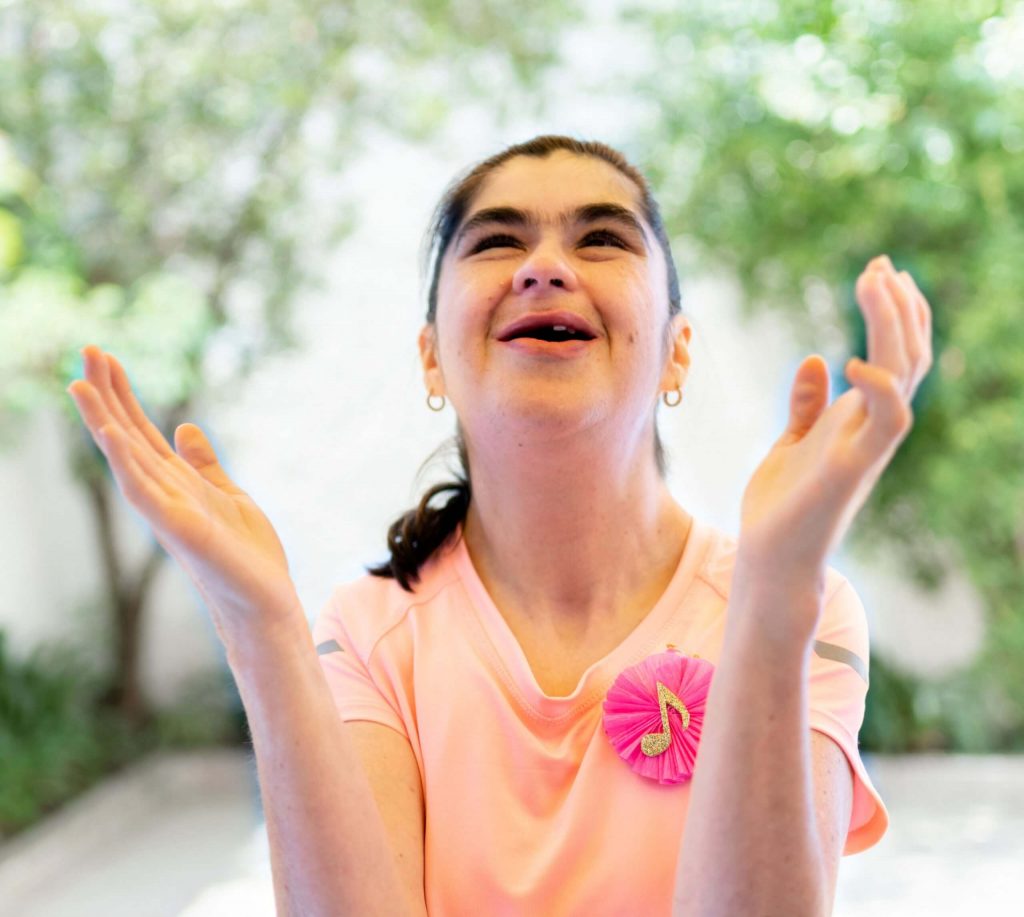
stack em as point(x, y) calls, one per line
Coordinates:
point(529, 810)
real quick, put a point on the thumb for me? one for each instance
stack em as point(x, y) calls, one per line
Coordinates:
point(807, 398)
point(193, 446)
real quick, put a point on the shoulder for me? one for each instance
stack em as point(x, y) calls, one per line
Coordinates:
point(367, 608)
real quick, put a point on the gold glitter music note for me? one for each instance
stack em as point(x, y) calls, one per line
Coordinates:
point(654, 743)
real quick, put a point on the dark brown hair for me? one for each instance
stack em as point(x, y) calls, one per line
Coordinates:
point(416, 534)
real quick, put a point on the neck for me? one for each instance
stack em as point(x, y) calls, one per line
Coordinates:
point(561, 546)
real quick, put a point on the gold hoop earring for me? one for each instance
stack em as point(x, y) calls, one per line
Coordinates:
point(672, 404)
point(430, 404)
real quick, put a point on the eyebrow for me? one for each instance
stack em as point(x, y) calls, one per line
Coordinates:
point(588, 213)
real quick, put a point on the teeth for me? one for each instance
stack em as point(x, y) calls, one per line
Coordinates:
point(563, 328)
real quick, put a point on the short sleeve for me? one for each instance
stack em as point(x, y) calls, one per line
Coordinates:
point(357, 693)
point(838, 692)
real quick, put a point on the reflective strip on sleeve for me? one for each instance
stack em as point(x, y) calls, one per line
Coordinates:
point(841, 654)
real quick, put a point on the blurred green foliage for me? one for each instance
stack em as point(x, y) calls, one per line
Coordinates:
point(171, 180)
point(57, 739)
point(163, 166)
point(794, 142)
point(54, 741)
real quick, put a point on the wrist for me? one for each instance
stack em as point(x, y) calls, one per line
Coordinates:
point(262, 641)
point(772, 571)
point(774, 608)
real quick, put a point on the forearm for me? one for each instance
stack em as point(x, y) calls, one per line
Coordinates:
point(329, 851)
point(750, 845)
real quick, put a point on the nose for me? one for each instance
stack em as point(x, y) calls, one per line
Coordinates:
point(542, 271)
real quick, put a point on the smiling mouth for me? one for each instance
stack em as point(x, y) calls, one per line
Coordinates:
point(554, 334)
point(569, 347)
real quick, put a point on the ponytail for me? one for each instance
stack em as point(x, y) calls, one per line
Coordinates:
point(415, 535)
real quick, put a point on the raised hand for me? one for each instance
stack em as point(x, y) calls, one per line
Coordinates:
point(209, 525)
point(819, 473)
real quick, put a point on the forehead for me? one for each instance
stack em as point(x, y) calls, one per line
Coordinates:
point(554, 184)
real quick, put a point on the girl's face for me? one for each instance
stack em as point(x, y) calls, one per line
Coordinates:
point(567, 233)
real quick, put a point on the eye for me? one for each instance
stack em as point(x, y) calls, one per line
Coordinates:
point(603, 236)
point(496, 241)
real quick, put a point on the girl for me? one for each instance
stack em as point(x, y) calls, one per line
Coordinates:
point(505, 718)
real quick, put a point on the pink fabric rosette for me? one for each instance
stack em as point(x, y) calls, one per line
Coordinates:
point(654, 711)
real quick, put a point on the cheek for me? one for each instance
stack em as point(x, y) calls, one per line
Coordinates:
point(623, 282)
point(629, 306)
point(467, 314)
point(471, 304)
point(477, 289)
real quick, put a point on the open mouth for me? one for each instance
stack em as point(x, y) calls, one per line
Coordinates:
point(552, 334)
point(555, 344)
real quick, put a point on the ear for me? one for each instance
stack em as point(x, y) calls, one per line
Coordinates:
point(433, 377)
point(678, 365)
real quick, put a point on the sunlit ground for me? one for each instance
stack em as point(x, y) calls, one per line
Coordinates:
point(180, 836)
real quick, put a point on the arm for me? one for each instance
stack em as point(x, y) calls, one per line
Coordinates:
point(752, 843)
point(329, 848)
point(770, 800)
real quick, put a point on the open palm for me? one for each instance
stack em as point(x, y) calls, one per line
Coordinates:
point(215, 531)
point(804, 495)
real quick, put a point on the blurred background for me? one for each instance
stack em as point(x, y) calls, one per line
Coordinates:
point(231, 196)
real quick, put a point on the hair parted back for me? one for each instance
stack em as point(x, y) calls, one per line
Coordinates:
point(415, 535)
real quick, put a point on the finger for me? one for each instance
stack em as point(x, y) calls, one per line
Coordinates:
point(808, 397)
point(90, 406)
point(139, 488)
point(111, 383)
point(885, 336)
point(195, 448)
point(97, 371)
point(97, 418)
point(123, 389)
point(906, 306)
point(924, 317)
point(149, 430)
point(889, 417)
